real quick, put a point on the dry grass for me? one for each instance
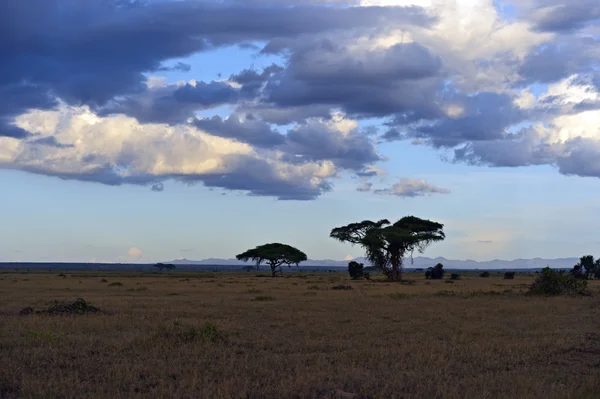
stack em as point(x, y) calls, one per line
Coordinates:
point(476, 338)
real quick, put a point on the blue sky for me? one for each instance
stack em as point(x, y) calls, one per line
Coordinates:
point(114, 154)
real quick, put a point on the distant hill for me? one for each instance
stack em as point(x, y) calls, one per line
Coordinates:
point(419, 262)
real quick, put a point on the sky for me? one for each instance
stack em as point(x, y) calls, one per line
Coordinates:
point(145, 131)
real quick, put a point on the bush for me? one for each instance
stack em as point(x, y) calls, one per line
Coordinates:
point(509, 275)
point(455, 276)
point(552, 283)
point(357, 271)
point(435, 273)
point(485, 274)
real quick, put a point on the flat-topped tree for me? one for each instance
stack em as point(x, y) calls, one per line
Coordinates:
point(387, 244)
point(274, 254)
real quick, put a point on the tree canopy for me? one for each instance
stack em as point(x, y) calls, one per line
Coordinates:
point(274, 254)
point(586, 268)
point(387, 244)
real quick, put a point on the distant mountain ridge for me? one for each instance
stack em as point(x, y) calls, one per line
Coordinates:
point(419, 262)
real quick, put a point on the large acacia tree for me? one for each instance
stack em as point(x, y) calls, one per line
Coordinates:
point(274, 254)
point(386, 245)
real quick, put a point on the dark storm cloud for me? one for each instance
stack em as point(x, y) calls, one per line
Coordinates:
point(375, 83)
point(90, 51)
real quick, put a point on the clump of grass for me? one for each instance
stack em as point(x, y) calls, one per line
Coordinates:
point(173, 294)
point(264, 298)
point(342, 287)
point(141, 288)
point(313, 287)
point(184, 333)
point(78, 307)
point(445, 293)
point(398, 295)
point(254, 291)
point(408, 282)
point(61, 275)
point(449, 281)
point(116, 284)
point(104, 280)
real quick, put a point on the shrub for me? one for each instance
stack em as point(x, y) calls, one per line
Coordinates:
point(357, 271)
point(115, 284)
point(408, 282)
point(449, 281)
point(509, 275)
point(455, 276)
point(485, 274)
point(104, 280)
point(435, 273)
point(552, 283)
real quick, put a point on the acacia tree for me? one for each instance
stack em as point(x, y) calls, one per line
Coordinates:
point(274, 254)
point(387, 244)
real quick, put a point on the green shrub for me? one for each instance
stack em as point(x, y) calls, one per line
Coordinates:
point(455, 276)
point(509, 275)
point(449, 281)
point(408, 282)
point(115, 284)
point(485, 274)
point(552, 283)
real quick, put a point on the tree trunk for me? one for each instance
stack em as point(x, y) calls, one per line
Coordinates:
point(396, 261)
point(273, 269)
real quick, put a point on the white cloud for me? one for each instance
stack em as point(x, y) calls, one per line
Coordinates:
point(412, 188)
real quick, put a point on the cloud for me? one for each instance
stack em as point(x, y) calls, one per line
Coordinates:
point(119, 150)
point(134, 253)
point(365, 187)
point(412, 188)
point(81, 99)
point(484, 241)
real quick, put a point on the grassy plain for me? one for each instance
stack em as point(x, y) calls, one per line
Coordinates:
point(226, 335)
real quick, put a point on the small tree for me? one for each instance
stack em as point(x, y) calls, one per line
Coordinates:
point(275, 255)
point(435, 273)
point(387, 244)
point(455, 276)
point(161, 266)
point(484, 274)
point(357, 271)
point(586, 268)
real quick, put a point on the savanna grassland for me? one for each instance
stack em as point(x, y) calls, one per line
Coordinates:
point(227, 335)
